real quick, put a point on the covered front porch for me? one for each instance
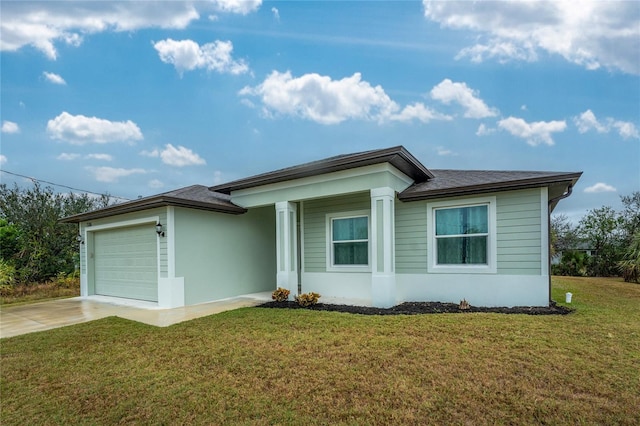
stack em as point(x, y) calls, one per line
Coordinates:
point(310, 212)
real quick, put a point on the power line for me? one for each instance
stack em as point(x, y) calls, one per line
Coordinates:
point(63, 186)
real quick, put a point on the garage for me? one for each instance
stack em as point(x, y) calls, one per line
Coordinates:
point(126, 262)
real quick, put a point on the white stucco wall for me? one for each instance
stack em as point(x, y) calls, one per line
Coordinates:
point(477, 289)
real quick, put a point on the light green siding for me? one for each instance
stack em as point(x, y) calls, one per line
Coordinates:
point(518, 234)
point(411, 237)
point(222, 255)
point(323, 186)
point(315, 213)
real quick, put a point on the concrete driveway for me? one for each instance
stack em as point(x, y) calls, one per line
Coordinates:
point(22, 319)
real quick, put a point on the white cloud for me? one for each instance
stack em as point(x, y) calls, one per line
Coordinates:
point(242, 7)
point(3, 159)
point(447, 92)
point(534, 133)
point(78, 129)
point(153, 153)
point(484, 130)
point(180, 156)
point(217, 177)
point(10, 127)
point(503, 51)
point(246, 102)
point(53, 78)
point(591, 33)
point(111, 174)
point(187, 55)
point(276, 13)
point(322, 99)
point(418, 112)
point(102, 157)
point(42, 25)
point(155, 184)
point(626, 129)
point(65, 156)
point(599, 187)
point(442, 151)
point(588, 121)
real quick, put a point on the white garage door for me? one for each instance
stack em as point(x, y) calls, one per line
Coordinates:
point(126, 262)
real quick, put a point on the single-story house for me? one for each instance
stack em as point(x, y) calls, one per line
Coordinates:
point(376, 226)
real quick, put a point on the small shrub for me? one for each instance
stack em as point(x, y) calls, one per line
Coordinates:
point(6, 290)
point(63, 280)
point(464, 305)
point(280, 295)
point(7, 273)
point(307, 299)
point(630, 266)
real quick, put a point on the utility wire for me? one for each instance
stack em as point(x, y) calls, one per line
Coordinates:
point(63, 186)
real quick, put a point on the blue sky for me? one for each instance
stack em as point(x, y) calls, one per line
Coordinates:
point(137, 98)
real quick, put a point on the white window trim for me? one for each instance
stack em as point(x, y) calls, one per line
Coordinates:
point(329, 239)
point(491, 266)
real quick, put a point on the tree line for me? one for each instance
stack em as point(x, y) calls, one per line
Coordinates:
point(34, 245)
point(605, 242)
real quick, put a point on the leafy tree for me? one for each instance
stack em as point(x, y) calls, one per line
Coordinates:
point(39, 247)
point(601, 229)
point(630, 265)
point(9, 239)
point(630, 217)
point(564, 235)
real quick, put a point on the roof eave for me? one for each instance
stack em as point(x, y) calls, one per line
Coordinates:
point(151, 203)
point(568, 179)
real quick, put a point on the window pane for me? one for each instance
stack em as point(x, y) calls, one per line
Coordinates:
point(477, 220)
point(448, 222)
point(351, 253)
point(462, 221)
point(353, 228)
point(462, 251)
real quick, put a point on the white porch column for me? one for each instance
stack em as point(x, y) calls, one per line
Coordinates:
point(383, 276)
point(286, 247)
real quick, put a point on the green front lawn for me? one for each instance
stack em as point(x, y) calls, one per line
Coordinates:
point(271, 366)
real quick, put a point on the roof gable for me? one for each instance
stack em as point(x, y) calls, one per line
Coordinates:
point(398, 156)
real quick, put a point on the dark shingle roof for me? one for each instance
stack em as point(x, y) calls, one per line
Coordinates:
point(398, 156)
point(195, 197)
point(427, 183)
point(448, 183)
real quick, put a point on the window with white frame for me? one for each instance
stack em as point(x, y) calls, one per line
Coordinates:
point(348, 238)
point(462, 236)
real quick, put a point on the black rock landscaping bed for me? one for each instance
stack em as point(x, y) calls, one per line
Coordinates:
point(415, 308)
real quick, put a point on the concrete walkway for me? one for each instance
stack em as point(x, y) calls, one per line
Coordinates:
point(22, 319)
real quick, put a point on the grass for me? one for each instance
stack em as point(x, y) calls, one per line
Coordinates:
point(57, 288)
point(271, 366)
